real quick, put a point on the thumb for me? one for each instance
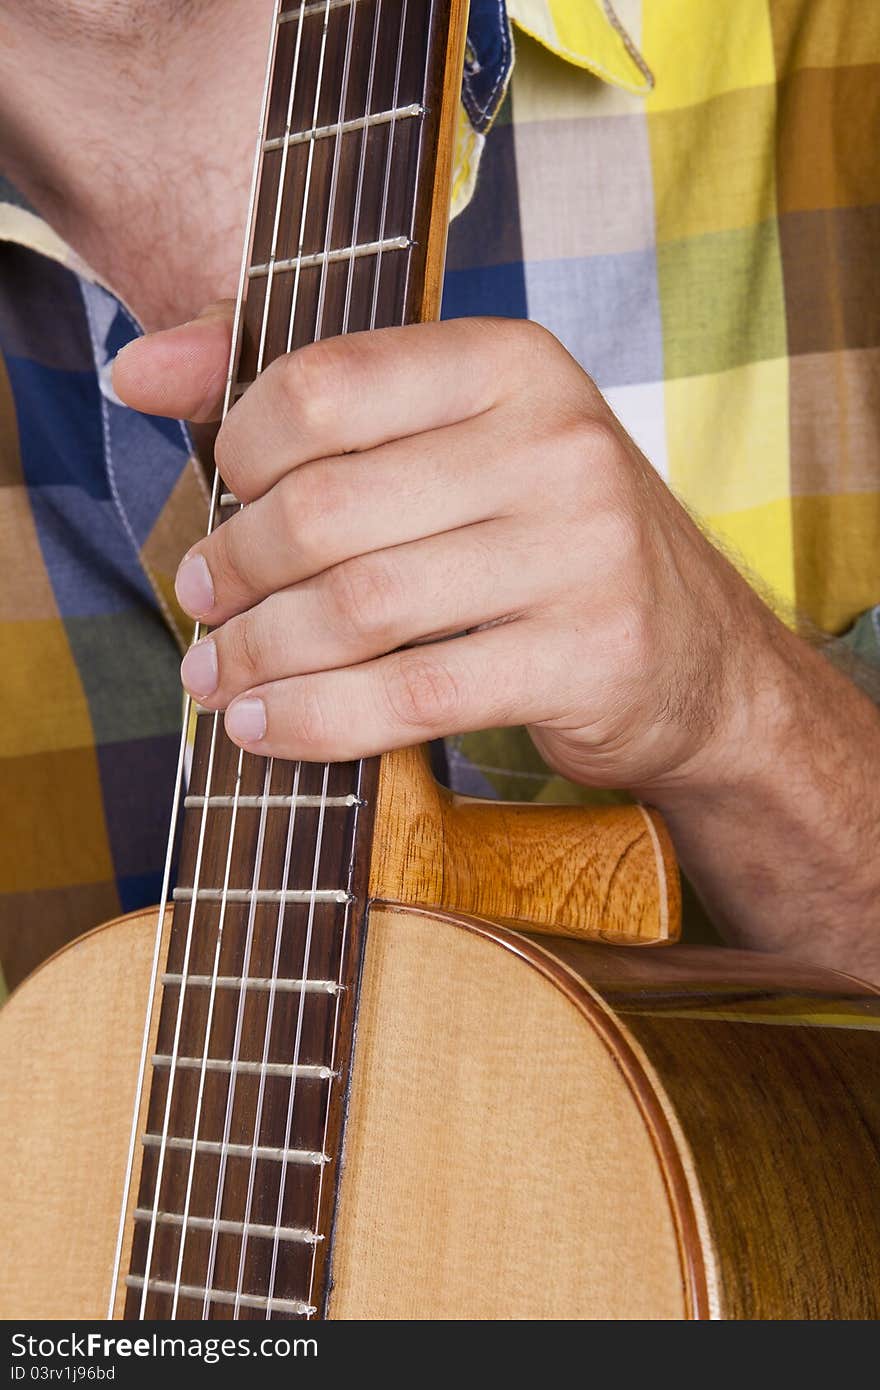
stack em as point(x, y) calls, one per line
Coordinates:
point(179, 371)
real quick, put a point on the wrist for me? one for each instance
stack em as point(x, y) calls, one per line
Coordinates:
point(759, 722)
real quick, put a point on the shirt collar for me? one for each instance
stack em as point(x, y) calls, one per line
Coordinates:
point(587, 34)
point(20, 224)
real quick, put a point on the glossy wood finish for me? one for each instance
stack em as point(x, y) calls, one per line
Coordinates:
point(625, 1134)
point(767, 1071)
point(498, 1163)
point(609, 873)
point(70, 1037)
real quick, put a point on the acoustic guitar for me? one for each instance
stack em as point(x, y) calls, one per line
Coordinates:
point(408, 1055)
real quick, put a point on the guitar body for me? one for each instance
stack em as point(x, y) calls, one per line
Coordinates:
point(345, 1104)
point(537, 1129)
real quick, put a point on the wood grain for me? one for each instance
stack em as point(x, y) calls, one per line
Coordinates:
point(435, 217)
point(607, 873)
point(767, 1072)
point(70, 1038)
point(685, 1133)
point(498, 1164)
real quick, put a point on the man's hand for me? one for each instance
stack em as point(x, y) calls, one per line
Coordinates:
point(410, 484)
point(446, 530)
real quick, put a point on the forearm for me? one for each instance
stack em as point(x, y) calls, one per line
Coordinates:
point(780, 834)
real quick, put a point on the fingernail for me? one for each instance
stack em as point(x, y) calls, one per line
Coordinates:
point(246, 720)
point(194, 586)
point(198, 670)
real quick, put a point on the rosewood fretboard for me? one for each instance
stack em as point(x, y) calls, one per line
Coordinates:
point(242, 1130)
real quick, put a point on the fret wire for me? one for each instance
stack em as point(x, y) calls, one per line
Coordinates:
point(341, 253)
point(224, 1296)
point(256, 983)
point(355, 123)
point(231, 1228)
point(273, 802)
point(306, 1071)
point(267, 1031)
point(304, 1157)
point(261, 895)
point(239, 1021)
point(212, 996)
point(299, 1027)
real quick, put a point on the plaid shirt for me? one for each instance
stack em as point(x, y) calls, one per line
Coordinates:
point(688, 200)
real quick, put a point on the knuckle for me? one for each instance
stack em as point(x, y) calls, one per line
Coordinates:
point(305, 501)
point(588, 467)
point(595, 440)
point(423, 694)
point(364, 595)
point(308, 379)
point(519, 340)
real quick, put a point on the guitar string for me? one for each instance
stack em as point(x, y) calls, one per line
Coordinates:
point(389, 155)
point(239, 1025)
point(307, 185)
point(292, 1093)
point(231, 1088)
point(270, 1013)
point(326, 773)
point(270, 1009)
point(231, 1091)
point(188, 707)
point(362, 165)
point(345, 925)
point(212, 999)
point(213, 510)
point(334, 172)
point(325, 27)
point(307, 950)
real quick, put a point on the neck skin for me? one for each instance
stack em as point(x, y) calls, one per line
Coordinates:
point(129, 125)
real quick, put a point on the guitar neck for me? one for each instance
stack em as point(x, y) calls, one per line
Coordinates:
point(240, 1116)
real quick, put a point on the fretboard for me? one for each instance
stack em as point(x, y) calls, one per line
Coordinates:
point(241, 1133)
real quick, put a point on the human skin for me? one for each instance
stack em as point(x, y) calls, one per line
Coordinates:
point(468, 478)
point(626, 642)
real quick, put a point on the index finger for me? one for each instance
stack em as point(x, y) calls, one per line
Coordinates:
point(357, 392)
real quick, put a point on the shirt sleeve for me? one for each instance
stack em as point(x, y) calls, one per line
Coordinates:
point(863, 638)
